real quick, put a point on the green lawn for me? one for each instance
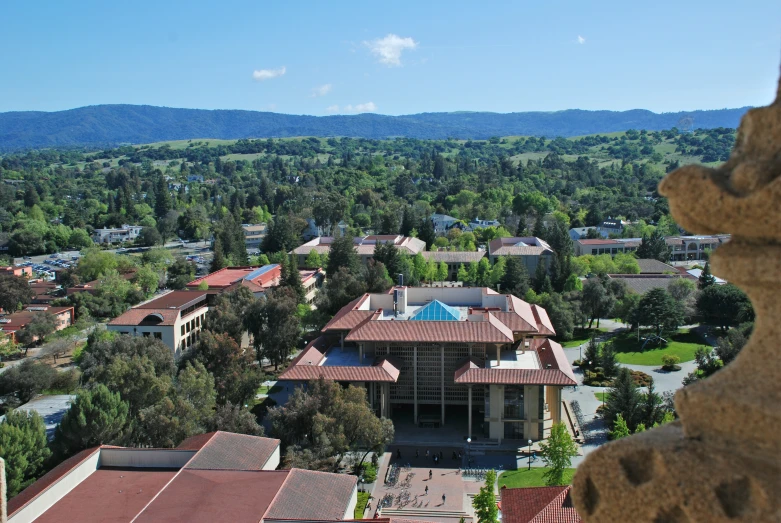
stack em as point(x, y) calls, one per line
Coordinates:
point(360, 507)
point(264, 389)
point(580, 336)
point(529, 478)
point(601, 396)
point(682, 344)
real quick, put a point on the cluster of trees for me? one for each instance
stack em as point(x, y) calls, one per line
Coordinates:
point(628, 409)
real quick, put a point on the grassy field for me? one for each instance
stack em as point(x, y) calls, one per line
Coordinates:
point(360, 506)
point(264, 389)
point(601, 396)
point(682, 344)
point(529, 478)
point(580, 336)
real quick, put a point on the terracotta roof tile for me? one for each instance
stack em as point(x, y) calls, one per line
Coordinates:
point(229, 451)
point(515, 377)
point(308, 494)
point(432, 331)
point(381, 373)
point(522, 309)
point(454, 256)
point(538, 505)
point(340, 322)
point(136, 316)
point(544, 325)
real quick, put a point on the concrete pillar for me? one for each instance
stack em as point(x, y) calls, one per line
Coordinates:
point(498, 354)
point(415, 381)
point(360, 353)
point(387, 400)
point(442, 379)
point(341, 342)
point(469, 430)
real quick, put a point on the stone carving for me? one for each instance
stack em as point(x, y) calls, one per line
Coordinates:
point(721, 461)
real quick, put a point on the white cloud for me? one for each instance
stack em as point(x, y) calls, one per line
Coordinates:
point(368, 107)
point(388, 50)
point(581, 40)
point(268, 74)
point(321, 90)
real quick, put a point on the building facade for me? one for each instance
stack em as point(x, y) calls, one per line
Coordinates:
point(253, 235)
point(127, 233)
point(175, 319)
point(364, 245)
point(424, 352)
point(531, 250)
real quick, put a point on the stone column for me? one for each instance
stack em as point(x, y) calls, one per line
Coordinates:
point(442, 379)
point(722, 459)
point(415, 380)
point(469, 430)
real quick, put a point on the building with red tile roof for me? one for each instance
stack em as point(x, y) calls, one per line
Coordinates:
point(11, 324)
point(257, 279)
point(426, 348)
point(531, 251)
point(175, 318)
point(364, 245)
point(211, 477)
point(538, 505)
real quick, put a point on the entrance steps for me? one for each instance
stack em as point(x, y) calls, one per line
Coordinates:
point(422, 513)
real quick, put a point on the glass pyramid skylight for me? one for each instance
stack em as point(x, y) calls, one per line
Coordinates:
point(437, 311)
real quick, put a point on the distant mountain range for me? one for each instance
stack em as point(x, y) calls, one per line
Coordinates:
point(111, 125)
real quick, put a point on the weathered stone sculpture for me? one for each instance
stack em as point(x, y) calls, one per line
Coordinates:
point(722, 460)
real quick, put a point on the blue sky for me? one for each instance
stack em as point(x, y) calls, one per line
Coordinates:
point(390, 57)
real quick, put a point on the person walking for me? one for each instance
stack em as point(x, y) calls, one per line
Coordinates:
point(426, 453)
point(426, 490)
point(417, 453)
point(430, 475)
point(443, 499)
point(398, 453)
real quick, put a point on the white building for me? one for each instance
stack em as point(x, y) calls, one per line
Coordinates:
point(127, 233)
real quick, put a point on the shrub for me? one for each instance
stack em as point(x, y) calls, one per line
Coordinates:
point(66, 381)
point(578, 363)
point(640, 378)
point(670, 362)
point(369, 473)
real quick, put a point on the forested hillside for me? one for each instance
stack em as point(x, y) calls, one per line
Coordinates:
point(111, 125)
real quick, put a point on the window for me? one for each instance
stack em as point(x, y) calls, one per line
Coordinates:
point(182, 333)
point(188, 326)
point(513, 402)
point(158, 335)
point(145, 334)
point(513, 430)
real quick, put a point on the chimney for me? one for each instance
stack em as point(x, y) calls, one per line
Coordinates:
point(401, 280)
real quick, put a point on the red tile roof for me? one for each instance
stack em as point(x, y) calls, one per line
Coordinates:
point(514, 377)
point(48, 479)
point(229, 451)
point(308, 494)
point(234, 496)
point(173, 300)
point(544, 325)
point(383, 373)
point(538, 505)
point(348, 317)
point(492, 331)
point(136, 316)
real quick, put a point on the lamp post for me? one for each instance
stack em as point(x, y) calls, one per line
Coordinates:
point(530, 454)
point(468, 451)
point(360, 484)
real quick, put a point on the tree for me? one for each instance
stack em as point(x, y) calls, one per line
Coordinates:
point(426, 232)
point(274, 326)
point(147, 279)
point(236, 377)
point(561, 315)
point(40, 326)
point(180, 273)
point(597, 302)
point(234, 418)
point(626, 263)
point(484, 502)
point(607, 359)
point(162, 196)
point(79, 239)
point(23, 446)
point(557, 453)
point(654, 247)
point(149, 237)
point(623, 398)
point(226, 315)
point(291, 279)
point(343, 254)
point(328, 421)
point(659, 310)
point(218, 259)
point(724, 305)
point(515, 279)
point(706, 279)
point(340, 289)
point(620, 428)
point(540, 274)
point(167, 224)
point(97, 416)
point(313, 260)
point(15, 292)
point(94, 263)
point(186, 410)
point(376, 277)
point(281, 235)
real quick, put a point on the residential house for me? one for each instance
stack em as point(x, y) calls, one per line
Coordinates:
point(313, 230)
point(219, 476)
point(531, 250)
point(424, 352)
point(611, 226)
point(577, 233)
point(443, 223)
point(175, 318)
point(364, 245)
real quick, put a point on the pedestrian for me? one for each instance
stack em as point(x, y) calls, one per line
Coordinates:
point(443, 499)
point(417, 453)
point(398, 453)
point(430, 475)
point(459, 455)
point(427, 490)
point(426, 453)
